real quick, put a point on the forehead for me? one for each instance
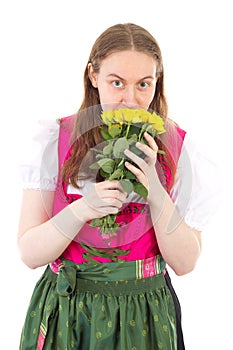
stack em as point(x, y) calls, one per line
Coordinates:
point(126, 63)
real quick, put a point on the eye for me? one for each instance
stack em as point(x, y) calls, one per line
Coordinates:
point(117, 83)
point(143, 84)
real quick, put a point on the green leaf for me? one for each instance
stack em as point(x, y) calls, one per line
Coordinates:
point(111, 220)
point(108, 148)
point(121, 164)
point(151, 130)
point(116, 174)
point(161, 152)
point(105, 134)
point(133, 139)
point(107, 165)
point(99, 156)
point(104, 174)
point(96, 222)
point(145, 126)
point(114, 130)
point(135, 150)
point(94, 149)
point(127, 185)
point(94, 166)
point(129, 175)
point(120, 146)
point(140, 189)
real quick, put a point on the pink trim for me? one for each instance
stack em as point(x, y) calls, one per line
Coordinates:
point(41, 341)
point(149, 267)
point(55, 265)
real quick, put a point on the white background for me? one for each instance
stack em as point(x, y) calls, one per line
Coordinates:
point(44, 49)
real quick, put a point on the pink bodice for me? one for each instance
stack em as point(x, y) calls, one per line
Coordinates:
point(141, 237)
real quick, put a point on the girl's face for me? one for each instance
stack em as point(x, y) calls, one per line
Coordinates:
point(126, 79)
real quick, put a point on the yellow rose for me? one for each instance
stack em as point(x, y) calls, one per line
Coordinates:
point(145, 115)
point(128, 114)
point(107, 117)
point(118, 116)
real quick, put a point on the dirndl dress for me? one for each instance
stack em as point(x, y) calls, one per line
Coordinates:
point(117, 305)
point(102, 306)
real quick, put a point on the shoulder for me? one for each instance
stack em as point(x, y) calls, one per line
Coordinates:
point(173, 129)
point(37, 163)
point(67, 123)
point(173, 139)
point(45, 130)
point(196, 190)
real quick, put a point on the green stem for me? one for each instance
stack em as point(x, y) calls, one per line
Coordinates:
point(143, 129)
point(105, 222)
point(127, 130)
point(140, 135)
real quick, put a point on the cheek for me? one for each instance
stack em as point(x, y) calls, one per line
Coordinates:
point(150, 97)
point(107, 96)
point(107, 100)
point(145, 100)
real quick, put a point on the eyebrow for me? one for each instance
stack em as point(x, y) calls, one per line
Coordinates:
point(120, 78)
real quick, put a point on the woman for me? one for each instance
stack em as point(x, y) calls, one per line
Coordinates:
point(94, 296)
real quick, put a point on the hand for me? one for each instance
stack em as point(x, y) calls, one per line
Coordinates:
point(107, 197)
point(146, 173)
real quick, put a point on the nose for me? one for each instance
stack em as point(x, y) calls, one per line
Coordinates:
point(130, 97)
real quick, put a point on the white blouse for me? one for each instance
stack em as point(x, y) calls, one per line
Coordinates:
point(196, 190)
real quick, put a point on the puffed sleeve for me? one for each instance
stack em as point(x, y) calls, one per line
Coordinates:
point(38, 167)
point(196, 190)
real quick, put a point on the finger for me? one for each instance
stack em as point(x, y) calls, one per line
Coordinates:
point(101, 210)
point(110, 203)
point(149, 152)
point(115, 185)
point(104, 204)
point(151, 149)
point(138, 173)
point(108, 185)
point(115, 195)
point(136, 159)
point(105, 191)
point(151, 141)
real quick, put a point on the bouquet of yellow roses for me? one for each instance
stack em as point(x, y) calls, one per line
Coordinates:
point(121, 130)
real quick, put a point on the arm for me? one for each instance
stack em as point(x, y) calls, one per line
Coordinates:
point(42, 238)
point(180, 245)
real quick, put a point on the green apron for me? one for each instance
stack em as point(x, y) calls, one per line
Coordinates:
point(107, 306)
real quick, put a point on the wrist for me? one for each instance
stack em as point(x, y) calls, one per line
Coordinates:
point(80, 210)
point(157, 195)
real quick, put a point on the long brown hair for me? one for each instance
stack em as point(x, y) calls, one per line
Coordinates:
point(86, 133)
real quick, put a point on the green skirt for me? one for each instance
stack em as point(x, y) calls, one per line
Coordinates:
point(108, 306)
